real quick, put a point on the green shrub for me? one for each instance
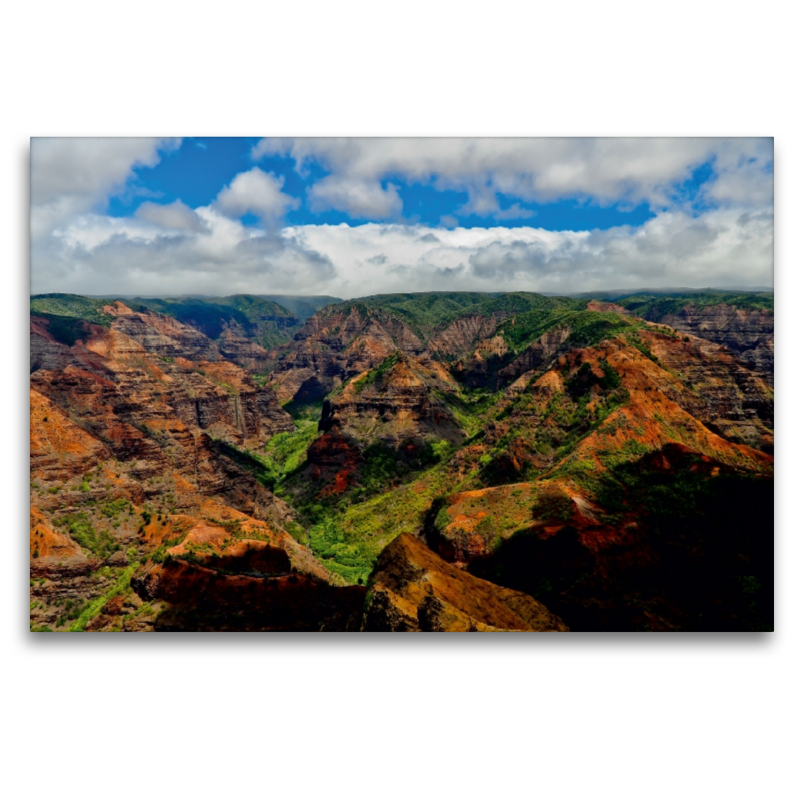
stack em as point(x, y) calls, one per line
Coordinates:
point(81, 529)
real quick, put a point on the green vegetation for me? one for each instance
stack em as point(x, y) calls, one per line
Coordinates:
point(67, 315)
point(264, 320)
point(552, 504)
point(385, 467)
point(115, 508)
point(642, 346)
point(378, 372)
point(470, 407)
point(656, 307)
point(308, 411)
point(422, 312)
point(302, 306)
point(286, 452)
point(349, 537)
point(93, 608)
point(71, 306)
point(546, 313)
point(427, 312)
point(81, 529)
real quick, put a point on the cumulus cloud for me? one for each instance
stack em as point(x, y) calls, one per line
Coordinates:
point(74, 175)
point(174, 249)
point(255, 192)
point(105, 255)
point(605, 170)
point(174, 216)
point(359, 199)
point(97, 254)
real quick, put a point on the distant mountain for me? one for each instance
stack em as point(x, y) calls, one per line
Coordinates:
point(302, 306)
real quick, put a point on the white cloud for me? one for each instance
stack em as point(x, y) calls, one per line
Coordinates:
point(98, 254)
point(173, 249)
point(359, 199)
point(603, 169)
point(174, 216)
point(104, 255)
point(255, 192)
point(74, 175)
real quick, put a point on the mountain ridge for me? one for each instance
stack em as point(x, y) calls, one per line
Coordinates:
point(391, 415)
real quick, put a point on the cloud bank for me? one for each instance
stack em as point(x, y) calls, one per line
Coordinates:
point(605, 170)
point(723, 238)
point(101, 255)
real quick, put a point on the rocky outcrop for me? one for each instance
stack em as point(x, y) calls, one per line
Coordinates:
point(161, 335)
point(60, 449)
point(536, 356)
point(723, 394)
point(412, 589)
point(205, 599)
point(242, 574)
point(335, 345)
point(118, 388)
point(245, 352)
point(396, 404)
point(667, 552)
point(333, 461)
point(461, 336)
point(748, 333)
point(54, 552)
point(599, 305)
point(468, 525)
point(493, 365)
point(479, 370)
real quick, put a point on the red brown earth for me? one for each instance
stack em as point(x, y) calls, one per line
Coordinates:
point(139, 473)
point(397, 406)
point(412, 589)
point(335, 345)
point(748, 333)
point(127, 443)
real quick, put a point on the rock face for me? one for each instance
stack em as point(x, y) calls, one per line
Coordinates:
point(677, 541)
point(747, 333)
point(468, 525)
point(116, 385)
point(724, 395)
point(462, 335)
point(333, 462)
point(249, 577)
point(536, 355)
point(121, 435)
point(203, 599)
point(238, 328)
point(60, 449)
point(395, 404)
point(161, 335)
point(412, 589)
point(336, 344)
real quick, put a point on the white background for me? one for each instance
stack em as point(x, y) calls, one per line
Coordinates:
point(602, 716)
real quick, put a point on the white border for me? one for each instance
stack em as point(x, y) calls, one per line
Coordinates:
point(669, 716)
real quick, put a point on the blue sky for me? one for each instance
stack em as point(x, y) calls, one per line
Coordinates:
point(195, 172)
point(351, 217)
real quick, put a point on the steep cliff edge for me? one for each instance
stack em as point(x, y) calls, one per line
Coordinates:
point(125, 440)
point(747, 330)
point(336, 344)
point(412, 589)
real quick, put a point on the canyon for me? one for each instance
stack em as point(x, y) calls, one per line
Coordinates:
point(417, 462)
